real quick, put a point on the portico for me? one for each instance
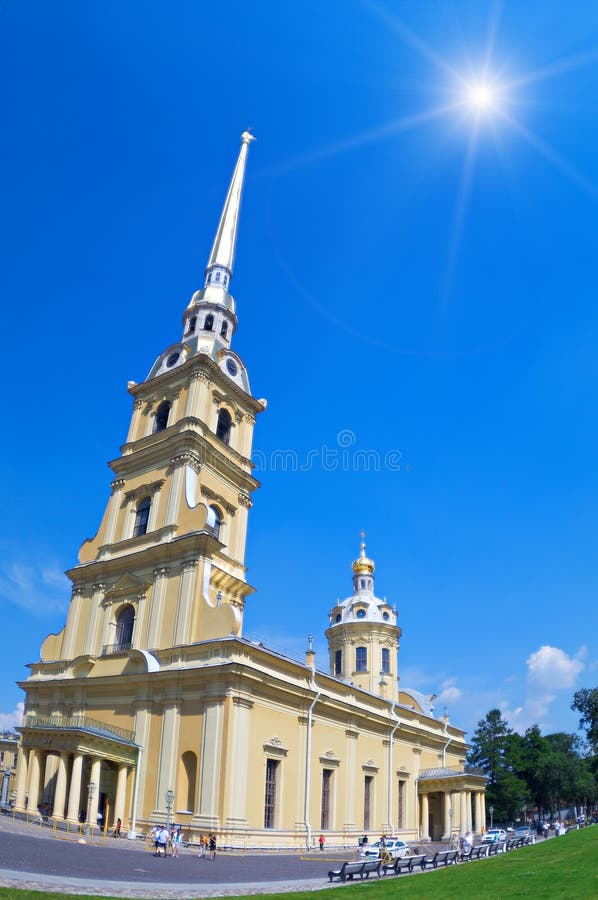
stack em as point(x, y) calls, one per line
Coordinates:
point(73, 764)
point(451, 800)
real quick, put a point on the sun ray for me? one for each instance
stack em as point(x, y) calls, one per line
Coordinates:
point(567, 64)
point(456, 233)
point(550, 154)
point(366, 137)
point(493, 25)
point(409, 37)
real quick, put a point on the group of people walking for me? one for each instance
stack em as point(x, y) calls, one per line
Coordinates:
point(166, 840)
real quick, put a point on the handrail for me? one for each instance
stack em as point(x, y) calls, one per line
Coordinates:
point(444, 771)
point(78, 723)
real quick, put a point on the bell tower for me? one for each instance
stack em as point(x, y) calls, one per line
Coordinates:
point(167, 565)
point(363, 637)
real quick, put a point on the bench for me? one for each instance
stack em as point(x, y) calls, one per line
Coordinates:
point(442, 858)
point(348, 870)
point(418, 860)
point(397, 865)
point(497, 847)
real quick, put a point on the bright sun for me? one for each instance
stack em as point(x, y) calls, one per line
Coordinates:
point(481, 96)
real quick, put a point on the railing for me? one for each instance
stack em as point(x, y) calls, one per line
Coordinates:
point(112, 649)
point(79, 723)
point(446, 771)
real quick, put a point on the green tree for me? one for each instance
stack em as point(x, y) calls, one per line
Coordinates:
point(585, 702)
point(492, 748)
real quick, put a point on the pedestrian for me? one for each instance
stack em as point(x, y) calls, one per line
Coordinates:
point(321, 841)
point(117, 828)
point(212, 846)
point(163, 840)
point(175, 840)
point(156, 839)
point(203, 846)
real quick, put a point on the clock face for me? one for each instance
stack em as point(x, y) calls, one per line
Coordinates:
point(231, 367)
point(172, 359)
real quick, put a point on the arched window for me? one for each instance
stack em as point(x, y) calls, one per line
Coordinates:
point(361, 659)
point(191, 325)
point(217, 276)
point(208, 325)
point(224, 329)
point(362, 584)
point(338, 662)
point(161, 419)
point(124, 628)
point(187, 781)
point(142, 516)
point(223, 428)
point(214, 521)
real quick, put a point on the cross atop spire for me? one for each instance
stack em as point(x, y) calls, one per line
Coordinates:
point(220, 264)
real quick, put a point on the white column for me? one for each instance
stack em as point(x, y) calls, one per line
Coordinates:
point(185, 601)
point(70, 631)
point(468, 809)
point(351, 778)
point(137, 642)
point(478, 811)
point(75, 789)
point(34, 779)
point(114, 506)
point(168, 753)
point(60, 793)
point(210, 764)
point(121, 790)
point(237, 759)
point(446, 806)
point(106, 636)
point(482, 810)
point(154, 637)
point(21, 780)
point(137, 407)
point(463, 813)
point(192, 405)
point(425, 818)
point(96, 769)
point(91, 647)
point(176, 489)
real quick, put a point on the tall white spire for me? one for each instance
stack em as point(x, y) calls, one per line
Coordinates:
point(220, 264)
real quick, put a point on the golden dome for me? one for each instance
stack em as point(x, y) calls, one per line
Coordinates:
point(363, 564)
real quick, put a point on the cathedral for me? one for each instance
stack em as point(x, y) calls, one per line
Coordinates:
point(150, 704)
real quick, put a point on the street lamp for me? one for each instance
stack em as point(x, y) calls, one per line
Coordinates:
point(91, 789)
point(491, 811)
point(169, 805)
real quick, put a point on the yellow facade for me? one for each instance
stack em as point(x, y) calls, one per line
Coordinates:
point(151, 688)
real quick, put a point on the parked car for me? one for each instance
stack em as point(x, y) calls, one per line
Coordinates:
point(525, 831)
point(393, 846)
point(494, 836)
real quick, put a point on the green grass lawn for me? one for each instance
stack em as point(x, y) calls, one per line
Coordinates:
point(562, 868)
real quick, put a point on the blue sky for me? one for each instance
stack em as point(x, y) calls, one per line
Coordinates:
point(414, 278)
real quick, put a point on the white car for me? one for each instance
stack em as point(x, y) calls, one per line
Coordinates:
point(494, 836)
point(393, 846)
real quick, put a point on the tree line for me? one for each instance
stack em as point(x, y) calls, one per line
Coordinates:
point(534, 774)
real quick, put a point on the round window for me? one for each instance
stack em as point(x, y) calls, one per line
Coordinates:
point(232, 367)
point(360, 613)
point(172, 359)
point(385, 616)
point(338, 618)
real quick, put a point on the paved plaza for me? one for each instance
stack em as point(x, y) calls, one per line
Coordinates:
point(37, 860)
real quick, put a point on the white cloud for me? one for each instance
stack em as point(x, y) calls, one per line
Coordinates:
point(10, 720)
point(39, 589)
point(449, 692)
point(550, 669)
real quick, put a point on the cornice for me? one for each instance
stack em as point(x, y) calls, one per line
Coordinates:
point(153, 451)
point(199, 362)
